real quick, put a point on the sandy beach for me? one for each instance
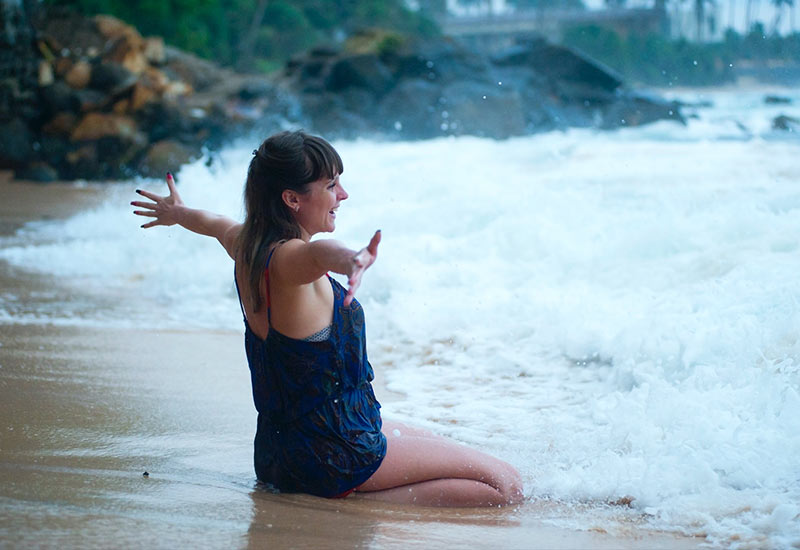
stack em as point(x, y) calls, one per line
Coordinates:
point(86, 411)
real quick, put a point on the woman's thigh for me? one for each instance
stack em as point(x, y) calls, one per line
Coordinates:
point(392, 429)
point(417, 456)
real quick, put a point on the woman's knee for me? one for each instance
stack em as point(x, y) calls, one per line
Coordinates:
point(510, 485)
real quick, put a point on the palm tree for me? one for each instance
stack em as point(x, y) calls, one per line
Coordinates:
point(779, 5)
point(701, 19)
point(748, 17)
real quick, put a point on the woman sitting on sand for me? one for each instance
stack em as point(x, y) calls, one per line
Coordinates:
point(319, 426)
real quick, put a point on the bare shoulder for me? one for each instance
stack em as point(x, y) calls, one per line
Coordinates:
point(296, 263)
point(285, 255)
point(230, 239)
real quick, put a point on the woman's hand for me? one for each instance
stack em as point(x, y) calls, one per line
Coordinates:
point(165, 210)
point(361, 261)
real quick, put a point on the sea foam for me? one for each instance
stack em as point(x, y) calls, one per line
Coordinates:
point(614, 313)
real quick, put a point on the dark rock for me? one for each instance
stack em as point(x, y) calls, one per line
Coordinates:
point(16, 144)
point(777, 100)
point(58, 98)
point(95, 126)
point(91, 100)
point(64, 29)
point(61, 125)
point(37, 171)
point(164, 156)
point(411, 109)
point(329, 115)
point(111, 78)
point(570, 68)
point(442, 62)
point(359, 71)
point(166, 120)
point(199, 73)
point(482, 110)
point(636, 110)
point(786, 123)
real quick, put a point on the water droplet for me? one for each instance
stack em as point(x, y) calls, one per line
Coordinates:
point(694, 63)
point(499, 82)
point(445, 114)
point(484, 97)
point(429, 64)
point(398, 125)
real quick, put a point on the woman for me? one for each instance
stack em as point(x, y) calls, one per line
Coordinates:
point(319, 427)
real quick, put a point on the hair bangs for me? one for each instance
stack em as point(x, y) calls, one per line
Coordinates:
point(322, 160)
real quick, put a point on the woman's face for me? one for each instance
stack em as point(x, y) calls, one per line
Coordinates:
point(317, 208)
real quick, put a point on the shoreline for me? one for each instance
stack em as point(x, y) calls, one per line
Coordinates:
point(88, 409)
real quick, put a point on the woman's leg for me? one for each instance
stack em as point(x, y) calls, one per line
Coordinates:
point(422, 468)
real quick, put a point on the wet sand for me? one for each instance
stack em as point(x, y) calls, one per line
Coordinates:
point(87, 410)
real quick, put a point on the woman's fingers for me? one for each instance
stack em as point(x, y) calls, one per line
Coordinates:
point(362, 260)
point(148, 213)
point(171, 184)
point(372, 247)
point(149, 195)
point(151, 224)
point(141, 204)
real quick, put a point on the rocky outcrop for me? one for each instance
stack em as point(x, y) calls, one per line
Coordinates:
point(105, 102)
point(94, 99)
point(442, 88)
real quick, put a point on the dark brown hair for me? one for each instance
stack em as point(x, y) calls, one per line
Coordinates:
point(286, 160)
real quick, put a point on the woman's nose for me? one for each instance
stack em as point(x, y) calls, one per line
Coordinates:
point(342, 193)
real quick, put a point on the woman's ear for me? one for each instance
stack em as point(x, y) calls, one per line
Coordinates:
point(291, 200)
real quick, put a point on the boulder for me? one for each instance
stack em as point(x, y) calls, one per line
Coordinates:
point(359, 71)
point(166, 155)
point(91, 100)
point(94, 126)
point(68, 33)
point(777, 100)
point(154, 50)
point(140, 96)
point(61, 125)
point(111, 78)
point(79, 75)
point(200, 74)
point(786, 123)
point(482, 110)
point(128, 51)
point(57, 98)
point(16, 144)
point(410, 109)
point(63, 66)
point(111, 28)
point(37, 171)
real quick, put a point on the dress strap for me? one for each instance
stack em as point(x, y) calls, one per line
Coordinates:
point(238, 294)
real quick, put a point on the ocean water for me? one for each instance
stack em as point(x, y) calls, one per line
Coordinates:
point(615, 313)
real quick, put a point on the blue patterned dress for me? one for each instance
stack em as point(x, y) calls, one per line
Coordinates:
point(319, 424)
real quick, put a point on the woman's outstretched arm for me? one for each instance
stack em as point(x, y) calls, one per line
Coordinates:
point(297, 262)
point(170, 210)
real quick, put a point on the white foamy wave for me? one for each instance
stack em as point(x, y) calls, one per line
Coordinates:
point(614, 313)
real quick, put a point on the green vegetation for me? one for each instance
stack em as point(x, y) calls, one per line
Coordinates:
point(256, 34)
point(656, 60)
